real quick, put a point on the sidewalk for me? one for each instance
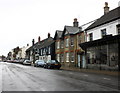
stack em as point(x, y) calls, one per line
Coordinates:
point(113, 73)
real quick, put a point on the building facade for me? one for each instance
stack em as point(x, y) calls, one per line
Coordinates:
point(67, 49)
point(103, 41)
point(42, 50)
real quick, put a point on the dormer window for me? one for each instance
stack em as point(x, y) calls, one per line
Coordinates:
point(103, 32)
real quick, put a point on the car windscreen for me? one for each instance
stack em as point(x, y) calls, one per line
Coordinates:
point(54, 61)
point(40, 61)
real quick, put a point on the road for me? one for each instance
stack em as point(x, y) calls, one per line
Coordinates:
point(18, 77)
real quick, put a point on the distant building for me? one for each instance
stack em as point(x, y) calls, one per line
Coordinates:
point(42, 50)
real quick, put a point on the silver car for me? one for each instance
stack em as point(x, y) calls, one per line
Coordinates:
point(40, 63)
point(27, 62)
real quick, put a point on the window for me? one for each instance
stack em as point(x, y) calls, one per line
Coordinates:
point(80, 39)
point(118, 28)
point(67, 42)
point(90, 36)
point(67, 57)
point(62, 58)
point(103, 32)
point(49, 50)
point(62, 44)
point(72, 41)
point(72, 57)
point(41, 52)
point(58, 45)
point(58, 57)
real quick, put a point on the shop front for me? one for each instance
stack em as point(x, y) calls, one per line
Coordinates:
point(103, 54)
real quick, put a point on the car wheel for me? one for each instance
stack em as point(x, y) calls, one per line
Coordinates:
point(49, 67)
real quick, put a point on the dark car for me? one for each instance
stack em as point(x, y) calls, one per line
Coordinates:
point(40, 63)
point(52, 64)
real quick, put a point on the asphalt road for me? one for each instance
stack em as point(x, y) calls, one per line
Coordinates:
point(18, 77)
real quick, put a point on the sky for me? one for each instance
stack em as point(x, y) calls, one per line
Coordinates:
point(24, 20)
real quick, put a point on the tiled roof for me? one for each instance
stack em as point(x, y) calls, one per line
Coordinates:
point(109, 17)
point(72, 30)
point(44, 43)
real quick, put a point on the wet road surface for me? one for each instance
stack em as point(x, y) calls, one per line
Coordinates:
point(18, 77)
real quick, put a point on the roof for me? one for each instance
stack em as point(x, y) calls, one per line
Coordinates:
point(58, 34)
point(72, 30)
point(44, 43)
point(106, 18)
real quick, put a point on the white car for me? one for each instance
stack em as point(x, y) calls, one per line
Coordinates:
point(27, 62)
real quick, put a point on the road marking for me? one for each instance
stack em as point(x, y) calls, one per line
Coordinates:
point(107, 78)
point(86, 75)
point(60, 71)
point(70, 73)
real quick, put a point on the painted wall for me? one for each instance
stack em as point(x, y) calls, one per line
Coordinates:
point(110, 29)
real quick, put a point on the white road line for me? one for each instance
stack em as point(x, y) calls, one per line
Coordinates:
point(107, 78)
point(86, 75)
point(70, 73)
point(60, 71)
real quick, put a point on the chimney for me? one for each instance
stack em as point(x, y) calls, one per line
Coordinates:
point(106, 8)
point(33, 42)
point(48, 35)
point(75, 23)
point(39, 39)
point(27, 44)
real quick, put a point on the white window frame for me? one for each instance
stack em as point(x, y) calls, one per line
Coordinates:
point(67, 57)
point(58, 44)
point(67, 42)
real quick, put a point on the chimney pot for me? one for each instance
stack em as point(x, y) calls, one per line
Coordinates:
point(48, 35)
point(75, 23)
point(106, 8)
point(33, 42)
point(39, 39)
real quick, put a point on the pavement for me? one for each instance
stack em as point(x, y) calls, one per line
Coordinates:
point(113, 73)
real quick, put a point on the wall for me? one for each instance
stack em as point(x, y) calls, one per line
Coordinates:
point(110, 29)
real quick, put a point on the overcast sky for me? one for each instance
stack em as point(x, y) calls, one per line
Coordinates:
point(24, 20)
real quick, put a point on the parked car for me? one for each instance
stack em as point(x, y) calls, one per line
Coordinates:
point(27, 62)
point(52, 64)
point(40, 63)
